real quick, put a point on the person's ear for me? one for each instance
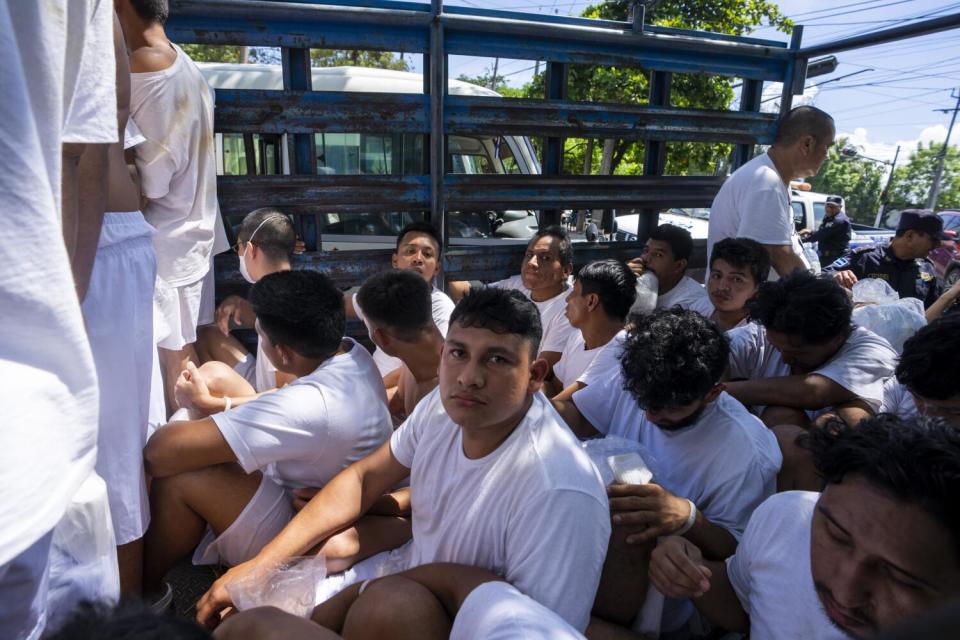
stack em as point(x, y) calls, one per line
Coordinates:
point(714, 393)
point(380, 337)
point(568, 270)
point(682, 265)
point(393, 259)
point(538, 373)
point(286, 355)
point(593, 301)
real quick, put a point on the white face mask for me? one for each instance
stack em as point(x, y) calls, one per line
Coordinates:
point(243, 262)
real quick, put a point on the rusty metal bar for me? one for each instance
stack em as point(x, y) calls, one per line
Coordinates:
point(438, 92)
point(795, 68)
point(555, 87)
point(750, 96)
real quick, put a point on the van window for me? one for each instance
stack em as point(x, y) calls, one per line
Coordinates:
point(266, 150)
point(798, 217)
point(403, 154)
point(819, 211)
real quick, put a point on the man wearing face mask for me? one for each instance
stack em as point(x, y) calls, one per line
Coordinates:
point(715, 461)
point(265, 243)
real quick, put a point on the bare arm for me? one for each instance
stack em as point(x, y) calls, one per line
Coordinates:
point(811, 391)
point(574, 419)
point(568, 392)
point(783, 259)
point(84, 196)
point(944, 302)
point(348, 305)
point(186, 446)
point(678, 570)
point(456, 289)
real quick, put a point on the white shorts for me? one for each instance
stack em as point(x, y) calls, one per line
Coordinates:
point(118, 313)
point(247, 368)
point(267, 513)
point(181, 312)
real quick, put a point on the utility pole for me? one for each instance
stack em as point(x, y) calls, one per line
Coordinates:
point(885, 194)
point(493, 80)
point(938, 174)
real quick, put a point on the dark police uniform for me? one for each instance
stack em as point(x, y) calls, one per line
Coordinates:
point(832, 237)
point(909, 278)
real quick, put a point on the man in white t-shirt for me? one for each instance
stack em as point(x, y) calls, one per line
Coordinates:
point(545, 279)
point(714, 461)
point(876, 548)
point(265, 243)
point(177, 170)
point(603, 292)
point(59, 85)
point(802, 356)
point(667, 254)
point(754, 202)
point(738, 266)
point(418, 250)
point(397, 309)
point(921, 385)
point(497, 481)
point(229, 475)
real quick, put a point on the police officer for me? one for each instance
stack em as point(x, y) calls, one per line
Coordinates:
point(902, 262)
point(833, 236)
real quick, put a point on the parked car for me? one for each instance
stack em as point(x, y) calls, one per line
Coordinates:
point(945, 258)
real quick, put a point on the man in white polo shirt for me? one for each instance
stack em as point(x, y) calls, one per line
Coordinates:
point(876, 548)
point(223, 482)
point(754, 202)
point(497, 481)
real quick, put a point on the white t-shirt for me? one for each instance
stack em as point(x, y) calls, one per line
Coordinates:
point(861, 365)
point(606, 364)
point(576, 360)
point(754, 203)
point(497, 611)
point(553, 318)
point(898, 400)
point(688, 294)
point(49, 389)
point(770, 572)
point(726, 463)
point(534, 511)
point(305, 433)
point(441, 308)
point(173, 108)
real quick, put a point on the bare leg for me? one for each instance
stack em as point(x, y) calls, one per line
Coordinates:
point(172, 363)
point(599, 629)
point(368, 537)
point(797, 472)
point(130, 561)
point(269, 623)
point(623, 583)
point(222, 380)
point(773, 416)
point(213, 345)
point(396, 608)
point(181, 506)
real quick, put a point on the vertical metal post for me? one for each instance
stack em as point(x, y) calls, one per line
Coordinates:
point(655, 151)
point(555, 88)
point(437, 89)
point(297, 76)
point(750, 97)
point(938, 172)
point(795, 66)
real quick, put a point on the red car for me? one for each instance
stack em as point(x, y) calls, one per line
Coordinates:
point(945, 258)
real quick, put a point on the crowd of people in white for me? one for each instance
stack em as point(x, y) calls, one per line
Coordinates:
point(464, 479)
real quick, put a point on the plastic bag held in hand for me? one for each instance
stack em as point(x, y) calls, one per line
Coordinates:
point(289, 586)
point(874, 291)
point(647, 287)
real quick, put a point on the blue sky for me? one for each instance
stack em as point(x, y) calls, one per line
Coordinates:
point(891, 104)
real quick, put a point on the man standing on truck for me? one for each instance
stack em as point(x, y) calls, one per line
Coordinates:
point(902, 262)
point(833, 236)
point(754, 202)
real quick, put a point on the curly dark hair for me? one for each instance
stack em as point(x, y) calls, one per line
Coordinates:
point(613, 282)
point(743, 253)
point(398, 300)
point(302, 310)
point(925, 356)
point(913, 459)
point(672, 358)
point(816, 309)
point(565, 247)
point(127, 621)
point(503, 311)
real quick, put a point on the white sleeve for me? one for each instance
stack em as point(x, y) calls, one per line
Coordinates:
point(157, 165)
point(555, 552)
point(403, 442)
point(765, 216)
point(596, 403)
point(90, 75)
point(736, 500)
point(282, 425)
point(442, 308)
point(606, 365)
point(862, 369)
point(744, 360)
point(556, 333)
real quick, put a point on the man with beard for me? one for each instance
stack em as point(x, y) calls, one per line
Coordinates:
point(877, 547)
point(805, 357)
point(714, 461)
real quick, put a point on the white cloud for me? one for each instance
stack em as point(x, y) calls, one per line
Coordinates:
point(861, 139)
point(771, 97)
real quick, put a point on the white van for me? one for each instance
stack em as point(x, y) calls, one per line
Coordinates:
point(375, 154)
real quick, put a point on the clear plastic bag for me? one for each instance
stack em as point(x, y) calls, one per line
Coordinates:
point(647, 286)
point(874, 291)
point(289, 586)
point(612, 451)
point(895, 321)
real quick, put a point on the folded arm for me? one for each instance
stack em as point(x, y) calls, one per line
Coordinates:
point(809, 391)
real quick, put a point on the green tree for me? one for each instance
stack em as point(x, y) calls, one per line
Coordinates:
point(857, 180)
point(630, 85)
point(318, 57)
point(212, 52)
point(911, 182)
point(500, 85)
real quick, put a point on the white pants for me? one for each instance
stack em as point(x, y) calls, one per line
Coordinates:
point(23, 592)
point(118, 312)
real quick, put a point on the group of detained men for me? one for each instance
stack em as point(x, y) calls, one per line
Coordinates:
point(451, 458)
